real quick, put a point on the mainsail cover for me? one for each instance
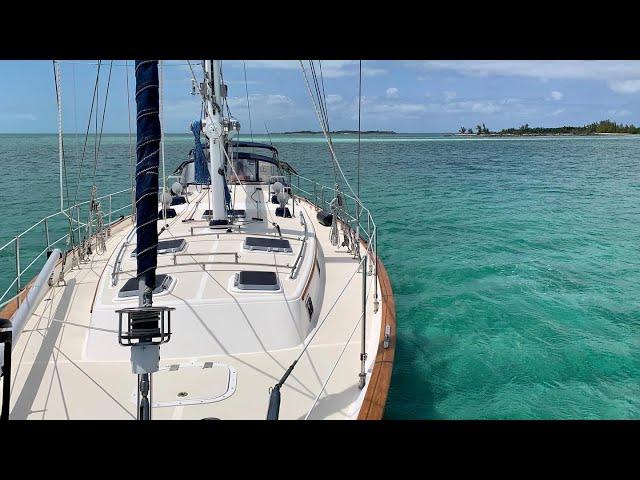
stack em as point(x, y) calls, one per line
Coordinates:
point(200, 163)
point(148, 159)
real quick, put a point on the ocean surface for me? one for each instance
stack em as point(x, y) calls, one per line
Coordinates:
point(515, 262)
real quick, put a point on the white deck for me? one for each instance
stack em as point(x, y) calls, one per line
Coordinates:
point(227, 348)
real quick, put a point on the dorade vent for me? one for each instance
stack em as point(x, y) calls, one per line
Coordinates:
point(168, 246)
point(262, 244)
point(130, 288)
point(252, 280)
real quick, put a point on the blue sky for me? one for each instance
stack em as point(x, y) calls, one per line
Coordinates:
point(405, 96)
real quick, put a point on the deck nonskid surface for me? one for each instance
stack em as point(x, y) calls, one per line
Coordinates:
point(55, 378)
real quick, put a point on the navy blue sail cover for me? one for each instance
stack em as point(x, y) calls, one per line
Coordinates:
point(200, 163)
point(148, 159)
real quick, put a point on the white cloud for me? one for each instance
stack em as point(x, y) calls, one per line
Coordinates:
point(545, 69)
point(18, 116)
point(621, 76)
point(558, 112)
point(392, 92)
point(279, 64)
point(448, 95)
point(619, 113)
point(271, 106)
point(333, 99)
point(485, 107)
point(373, 72)
point(556, 95)
point(625, 86)
point(330, 68)
point(404, 110)
point(475, 106)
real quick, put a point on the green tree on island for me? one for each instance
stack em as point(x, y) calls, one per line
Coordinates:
point(603, 126)
point(463, 130)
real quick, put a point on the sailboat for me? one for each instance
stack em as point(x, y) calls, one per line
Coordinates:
point(243, 291)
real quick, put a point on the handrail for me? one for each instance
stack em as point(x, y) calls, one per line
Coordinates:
point(302, 247)
point(42, 284)
point(120, 257)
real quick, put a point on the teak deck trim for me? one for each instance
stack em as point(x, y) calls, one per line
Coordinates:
point(376, 397)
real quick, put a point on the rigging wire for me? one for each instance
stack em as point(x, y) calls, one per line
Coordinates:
point(75, 118)
point(323, 112)
point(359, 132)
point(92, 195)
point(56, 76)
point(86, 137)
point(269, 134)
point(99, 136)
point(164, 175)
point(246, 89)
point(193, 75)
point(326, 134)
point(131, 161)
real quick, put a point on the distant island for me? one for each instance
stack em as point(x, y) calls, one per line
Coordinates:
point(604, 127)
point(353, 132)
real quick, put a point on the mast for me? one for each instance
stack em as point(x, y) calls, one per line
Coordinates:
point(212, 128)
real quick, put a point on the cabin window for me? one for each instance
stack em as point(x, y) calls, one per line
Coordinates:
point(267, 170)
point(243, 170)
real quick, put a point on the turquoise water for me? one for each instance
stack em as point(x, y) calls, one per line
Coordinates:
point(515, 262)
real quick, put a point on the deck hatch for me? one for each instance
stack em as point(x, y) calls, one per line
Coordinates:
point(178, 200)
point(267, 244)
point(168, 246)
point(130, 288)
point(253, 280)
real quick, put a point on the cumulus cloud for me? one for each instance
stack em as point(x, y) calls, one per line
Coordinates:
point(625, 86)
point(556, 95)
point(392, 92)
point(330, 68)
point(619, 113)
point(449, 95)
point(547, 69)
point(272, 105)
point(475, 106)
point(621, 76)
point(404, 110)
